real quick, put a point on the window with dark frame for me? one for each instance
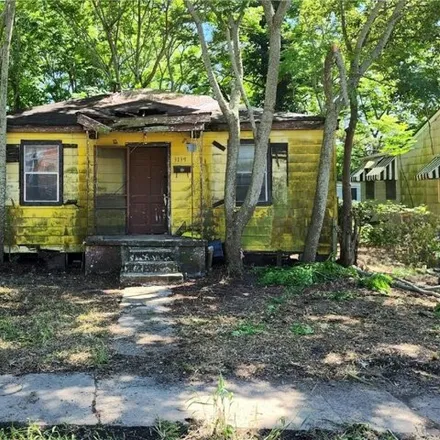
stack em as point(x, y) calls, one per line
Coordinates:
point(244, 174)
point(41, 173)
point(370, 190)
point(391, 189)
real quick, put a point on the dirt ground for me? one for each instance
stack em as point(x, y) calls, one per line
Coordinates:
point(337, 331)
point(54, 321)
point(355, 334)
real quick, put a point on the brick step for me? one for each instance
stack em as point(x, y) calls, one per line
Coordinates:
point(130, 279)
point(150, 254)
point(149, 266)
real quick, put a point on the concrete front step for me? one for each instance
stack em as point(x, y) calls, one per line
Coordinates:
point(150, 254)
point(130, 279)
point(150, 266)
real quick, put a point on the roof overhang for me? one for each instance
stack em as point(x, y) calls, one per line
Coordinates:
point(377, 168)
point(385, 169)
point(430, 171)
point(360, 175)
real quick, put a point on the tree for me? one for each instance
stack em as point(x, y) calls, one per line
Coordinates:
point(334, 103)
point(363, 47)
point(362, 55)
point(230, 17)
point(8, 15)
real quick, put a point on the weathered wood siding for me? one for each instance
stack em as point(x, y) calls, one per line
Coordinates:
point(49, 227)
point(280, 226)
point(283, 224)
point(421, 192)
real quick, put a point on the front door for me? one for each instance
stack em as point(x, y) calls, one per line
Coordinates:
point(148, 190)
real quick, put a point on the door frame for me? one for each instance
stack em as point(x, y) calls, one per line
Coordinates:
point(132, 145)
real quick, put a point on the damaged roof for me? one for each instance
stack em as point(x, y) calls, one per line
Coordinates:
point(143, 109)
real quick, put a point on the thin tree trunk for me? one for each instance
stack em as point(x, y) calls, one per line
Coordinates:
point(9, 15)
point(322, 186)
point(333, 108)
point(237, 217)
point(347, 245)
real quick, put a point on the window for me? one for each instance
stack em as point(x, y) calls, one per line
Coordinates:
point(391, 189)
point(41, 173)
point(244, 173)
point(369, 189)
point(354, 193)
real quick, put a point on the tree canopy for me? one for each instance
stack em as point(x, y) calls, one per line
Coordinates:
point(66, 48)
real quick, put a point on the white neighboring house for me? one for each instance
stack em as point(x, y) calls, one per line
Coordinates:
point(356, 193)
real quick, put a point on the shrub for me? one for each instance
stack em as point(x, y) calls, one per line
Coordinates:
point(304, 275)
point(409, 235)
point(378, 282)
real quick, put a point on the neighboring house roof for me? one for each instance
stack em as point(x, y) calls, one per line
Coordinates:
point(143, 109)
point(376, 168)
point(430, 171)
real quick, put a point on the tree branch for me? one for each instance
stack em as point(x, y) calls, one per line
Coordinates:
point(374, 13)
point(237, 64)
point(347, 41)
point(207, 60)
point(395, 17)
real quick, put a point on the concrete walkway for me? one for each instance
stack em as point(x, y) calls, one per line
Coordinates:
point(135, 401)
point(141, 329)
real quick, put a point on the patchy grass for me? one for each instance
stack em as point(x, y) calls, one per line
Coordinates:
point(166, 430)
point(341, 295)
point(248, 329)
point(301, 329)
point(51, 322)
point(390, 340)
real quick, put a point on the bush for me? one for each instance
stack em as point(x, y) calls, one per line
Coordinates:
point(378, 282)
point(304, 275)
point(409, 235)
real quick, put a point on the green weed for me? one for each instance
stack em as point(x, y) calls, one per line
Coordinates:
point(275, 303)
point(437, 311)
point(167, 430)
point(341, 295)
point(35, 432)
point(248, 329)
point(100, 354)
point(301, 329)
point(9, 330)
point(305, 275)
point(378, 282)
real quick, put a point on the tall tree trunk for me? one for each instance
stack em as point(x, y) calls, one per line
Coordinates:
point(233, 232)
point(322, 185)
point(347, 245)
point(333, 108)
point(237, 217)
point(9, 14)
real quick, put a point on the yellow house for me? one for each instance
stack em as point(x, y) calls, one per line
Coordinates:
point(412, 178)
point(127, 178)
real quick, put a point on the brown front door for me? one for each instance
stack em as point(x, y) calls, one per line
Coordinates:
point(148, 190)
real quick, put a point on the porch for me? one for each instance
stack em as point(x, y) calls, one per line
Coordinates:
point(145, 258)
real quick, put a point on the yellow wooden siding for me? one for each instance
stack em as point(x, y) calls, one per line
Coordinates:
point(421, 192)
point(185, 190)
point(280, 226)
point(283, 224)
point(49, 227)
